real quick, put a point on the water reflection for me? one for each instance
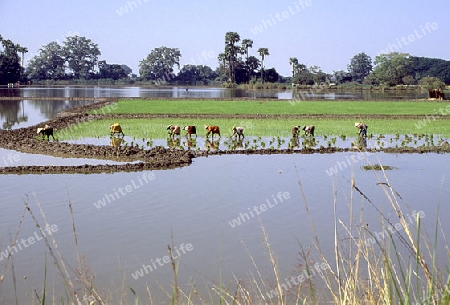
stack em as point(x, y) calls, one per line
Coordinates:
point(23, 113)
point(361, 143)
point(212, 145)
point(190, 143)
point(12, 113)
point(182, 92)
point(115, 141)
point(295, 142)
point(236, 143)
point(173, 142)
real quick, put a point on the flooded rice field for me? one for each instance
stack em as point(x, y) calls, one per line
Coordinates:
point(210, 208)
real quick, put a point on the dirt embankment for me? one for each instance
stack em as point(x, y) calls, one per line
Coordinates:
point(24, 140)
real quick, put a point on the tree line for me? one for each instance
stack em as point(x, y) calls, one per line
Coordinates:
point(77, 59)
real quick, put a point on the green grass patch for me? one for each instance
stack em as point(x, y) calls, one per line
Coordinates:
point(278, 107)
point(378, 167)
point(155, 128)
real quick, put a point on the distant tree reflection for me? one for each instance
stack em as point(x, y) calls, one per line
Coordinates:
point(12, 113)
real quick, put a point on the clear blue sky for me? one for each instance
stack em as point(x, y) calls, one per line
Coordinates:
point(318, 32)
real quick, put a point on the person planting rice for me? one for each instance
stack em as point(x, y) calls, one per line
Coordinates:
point(362, 129)
point(309, 130)
point(238, 132)
point(295, 131)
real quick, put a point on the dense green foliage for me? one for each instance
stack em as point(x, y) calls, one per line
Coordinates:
point(302, 75)
point(392, 69)
point(77, 54)
point(237, 67)
point(81, 55)
point(48, 64)
point(10, 67)
point(196, 75)
point(360, 66)
point(434, 67)
point(113, 71)
point(403, 69)
point(159, 64)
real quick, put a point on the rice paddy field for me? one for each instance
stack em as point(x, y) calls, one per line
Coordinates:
point(175, 106)
point(157, 127)
point(345, 227)
point(268, 118)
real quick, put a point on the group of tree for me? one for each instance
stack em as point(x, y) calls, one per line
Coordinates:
point(77, 58)
point(396, 69)
point(160, 64)
point(237, 66)
point(302, 75)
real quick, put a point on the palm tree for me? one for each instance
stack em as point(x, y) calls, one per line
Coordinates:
point(246, 44)
point(231, 38)
point(8, 44)
point(222, 58)
point(293, 61)
point(22, 50)
point(263, 52)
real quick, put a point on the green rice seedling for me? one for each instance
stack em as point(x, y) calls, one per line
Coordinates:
point(134, 106)
point(155, 128)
